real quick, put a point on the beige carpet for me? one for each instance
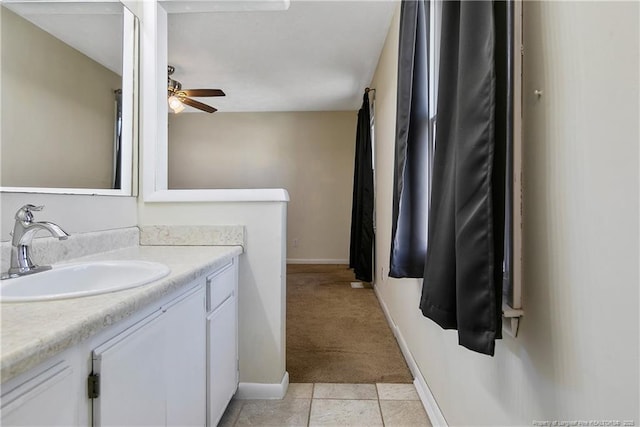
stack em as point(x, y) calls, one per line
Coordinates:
point(337, 334)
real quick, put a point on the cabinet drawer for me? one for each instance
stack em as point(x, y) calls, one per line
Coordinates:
point(221, 285)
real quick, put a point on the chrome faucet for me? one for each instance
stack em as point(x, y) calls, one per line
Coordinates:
point(23, 232)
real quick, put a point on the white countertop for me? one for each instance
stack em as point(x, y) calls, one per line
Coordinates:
point(32, 332)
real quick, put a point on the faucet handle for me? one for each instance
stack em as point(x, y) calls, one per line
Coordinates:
point(25, 213)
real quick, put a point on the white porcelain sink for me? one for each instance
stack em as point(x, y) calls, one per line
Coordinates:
point(81, 280)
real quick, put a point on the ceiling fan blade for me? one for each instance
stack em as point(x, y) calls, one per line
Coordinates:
point(203, 92)
point(199, 105)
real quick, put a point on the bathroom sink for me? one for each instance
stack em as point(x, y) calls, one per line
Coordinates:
point(81, 280)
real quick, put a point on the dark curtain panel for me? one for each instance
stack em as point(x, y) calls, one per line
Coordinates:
point(463, 269)
point(410, 196)
point(117, 141)
point(361, 248)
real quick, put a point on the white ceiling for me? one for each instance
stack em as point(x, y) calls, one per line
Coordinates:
point(315, 56)
point(93, 28)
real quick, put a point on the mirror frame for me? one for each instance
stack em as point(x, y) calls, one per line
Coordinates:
point(154, 118)
point(130, 119)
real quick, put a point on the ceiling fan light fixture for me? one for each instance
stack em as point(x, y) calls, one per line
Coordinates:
point(176, 104)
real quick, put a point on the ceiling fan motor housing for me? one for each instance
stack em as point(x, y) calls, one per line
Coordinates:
point(173, 86)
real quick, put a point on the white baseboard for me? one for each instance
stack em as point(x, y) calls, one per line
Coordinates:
point(316, 261)
point(274, 391)
point(429, 402)
point(426, 397)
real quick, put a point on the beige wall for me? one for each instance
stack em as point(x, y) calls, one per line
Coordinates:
point(310, 154)
point(57, 112)
point(262, 273)
point(576, 357)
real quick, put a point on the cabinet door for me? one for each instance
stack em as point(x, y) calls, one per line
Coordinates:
point(222, 364)
point(45, 400)
point(185, 356)
point(154, 373)
point(132, 376)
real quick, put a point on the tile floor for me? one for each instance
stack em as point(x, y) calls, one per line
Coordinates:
point(321, 404)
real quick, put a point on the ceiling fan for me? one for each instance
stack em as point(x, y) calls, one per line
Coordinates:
point(178, 97)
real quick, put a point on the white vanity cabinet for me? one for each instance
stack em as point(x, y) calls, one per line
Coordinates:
point(153, 373)
point(222, 340)
point(172, 363)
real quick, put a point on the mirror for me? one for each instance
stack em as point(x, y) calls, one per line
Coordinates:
point(69, 79)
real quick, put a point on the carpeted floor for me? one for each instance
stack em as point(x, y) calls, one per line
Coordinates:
point(337, 334)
